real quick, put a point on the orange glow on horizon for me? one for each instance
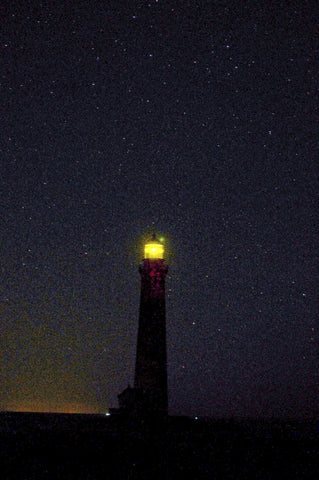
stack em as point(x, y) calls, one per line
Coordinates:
point(48, 407)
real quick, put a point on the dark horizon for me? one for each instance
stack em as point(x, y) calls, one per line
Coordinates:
point(204, 418)
point(93, 446)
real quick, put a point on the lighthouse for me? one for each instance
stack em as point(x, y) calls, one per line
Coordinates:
point(149, 394)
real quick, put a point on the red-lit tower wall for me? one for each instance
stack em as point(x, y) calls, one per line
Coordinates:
point(151, 357)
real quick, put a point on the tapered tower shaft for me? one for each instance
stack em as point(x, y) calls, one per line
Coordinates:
point(151, 358)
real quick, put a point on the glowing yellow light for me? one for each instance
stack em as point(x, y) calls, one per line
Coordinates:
point(154, 249)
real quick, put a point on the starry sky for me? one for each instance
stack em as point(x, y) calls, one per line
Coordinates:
point(192, 119)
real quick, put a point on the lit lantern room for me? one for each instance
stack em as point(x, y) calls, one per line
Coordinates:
point(154, 250)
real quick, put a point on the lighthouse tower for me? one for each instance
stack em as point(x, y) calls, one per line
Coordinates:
point(151, 363)
point(149, 394)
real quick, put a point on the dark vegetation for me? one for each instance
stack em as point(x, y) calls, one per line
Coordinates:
point(55, 446)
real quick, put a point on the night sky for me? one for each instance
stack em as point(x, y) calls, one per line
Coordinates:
point(195, 120)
